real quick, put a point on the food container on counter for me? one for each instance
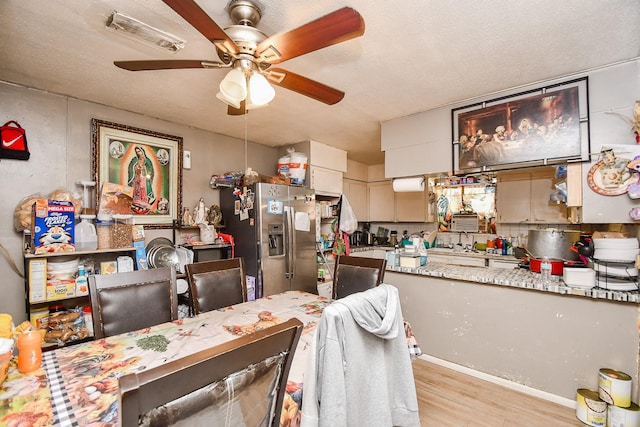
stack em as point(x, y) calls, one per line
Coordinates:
point(410, 260)
point(579, 277)
point(103, 231)
point(121, 231)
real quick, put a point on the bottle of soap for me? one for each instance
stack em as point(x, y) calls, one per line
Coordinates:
point(82, 284)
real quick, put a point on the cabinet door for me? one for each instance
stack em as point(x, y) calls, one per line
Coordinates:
point(523, 196)
point(543, 210)
point(513, 197)
point(356, 192)
point(411, 206)
point(381, 201)
point(326, 181)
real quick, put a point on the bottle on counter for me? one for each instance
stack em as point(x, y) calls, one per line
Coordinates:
point(82, 283)
point(396, 256)
point(88, 319)
point(545, 271)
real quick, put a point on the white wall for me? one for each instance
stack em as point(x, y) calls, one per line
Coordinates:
point(59, 137)
point(422, 143)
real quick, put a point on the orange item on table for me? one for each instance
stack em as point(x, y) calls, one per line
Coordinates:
point(29, 351)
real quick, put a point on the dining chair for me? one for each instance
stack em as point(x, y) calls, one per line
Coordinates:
point(216, 284)
point(240, 382)
point(356, 274)
point(125, 302)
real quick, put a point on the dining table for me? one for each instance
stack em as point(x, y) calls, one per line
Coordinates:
point(77, 385)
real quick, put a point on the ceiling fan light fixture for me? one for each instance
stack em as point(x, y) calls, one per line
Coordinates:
point(235, 104)
point(140, 31)
point(234, 85)
point(260, 91)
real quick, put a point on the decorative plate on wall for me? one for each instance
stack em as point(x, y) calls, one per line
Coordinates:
point(611, 177)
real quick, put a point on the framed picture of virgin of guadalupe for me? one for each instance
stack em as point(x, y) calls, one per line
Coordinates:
point(548, 125)
point(146, 165)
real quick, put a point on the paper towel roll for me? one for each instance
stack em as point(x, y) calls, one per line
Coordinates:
point(401, 185)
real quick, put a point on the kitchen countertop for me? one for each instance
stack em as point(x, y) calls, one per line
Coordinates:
point(516, 277)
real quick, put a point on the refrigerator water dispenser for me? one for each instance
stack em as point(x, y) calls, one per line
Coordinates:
point(276, 240)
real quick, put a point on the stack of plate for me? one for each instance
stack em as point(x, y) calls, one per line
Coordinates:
point(614, 263)
point(616, 249)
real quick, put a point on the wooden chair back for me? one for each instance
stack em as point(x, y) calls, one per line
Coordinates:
point(216, 284)
point(356, 274)
point(240, 382)
point(125, 302)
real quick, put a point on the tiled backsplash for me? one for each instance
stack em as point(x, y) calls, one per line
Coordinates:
point(519, 231)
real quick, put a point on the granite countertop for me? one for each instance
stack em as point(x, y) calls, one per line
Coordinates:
point(515, 277)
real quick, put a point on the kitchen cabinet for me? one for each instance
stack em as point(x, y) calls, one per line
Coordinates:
point(456, 259)
point(356, 192)
point(523, 196)
point(381, 201)
point(411, 206)
point(325, 181)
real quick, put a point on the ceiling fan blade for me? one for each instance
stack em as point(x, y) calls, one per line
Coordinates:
point(198, 18)
point(169, 64)
point(237, 111)
point(336, 27)
point(303, 85)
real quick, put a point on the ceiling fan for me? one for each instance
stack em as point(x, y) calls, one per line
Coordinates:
point(249, 53)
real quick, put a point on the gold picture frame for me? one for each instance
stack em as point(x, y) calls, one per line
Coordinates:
point(149, 162)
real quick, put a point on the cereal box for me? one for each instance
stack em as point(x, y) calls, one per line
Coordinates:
point(52, 226)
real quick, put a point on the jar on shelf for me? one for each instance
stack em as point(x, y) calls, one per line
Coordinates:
point(121, 231)
point(103, 231)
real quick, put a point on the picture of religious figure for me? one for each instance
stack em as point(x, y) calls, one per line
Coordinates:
point(140, 177)
point(147, 163)
point(522, 129)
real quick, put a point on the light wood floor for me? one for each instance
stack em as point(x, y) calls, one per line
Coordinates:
point(448, 398)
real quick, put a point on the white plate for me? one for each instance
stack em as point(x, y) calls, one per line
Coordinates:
point(183, 286)
point(613, 255)
point(616, 285)
point(616, 269)
point(615, 243)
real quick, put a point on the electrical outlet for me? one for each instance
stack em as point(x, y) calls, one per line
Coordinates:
point(186, 160)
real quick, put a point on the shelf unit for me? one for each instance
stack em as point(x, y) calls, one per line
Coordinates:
point(41, 304)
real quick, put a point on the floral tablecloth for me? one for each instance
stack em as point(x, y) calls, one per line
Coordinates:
point(78, 385)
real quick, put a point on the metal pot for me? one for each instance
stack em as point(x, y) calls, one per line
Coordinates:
point(553, 243)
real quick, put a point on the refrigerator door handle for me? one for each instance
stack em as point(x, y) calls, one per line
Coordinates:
point(288, 241)
point(292, 240)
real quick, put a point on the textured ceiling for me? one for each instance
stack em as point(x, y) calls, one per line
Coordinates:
point(415, 55)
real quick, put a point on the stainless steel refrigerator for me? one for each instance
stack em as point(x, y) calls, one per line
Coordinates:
point(274, 229)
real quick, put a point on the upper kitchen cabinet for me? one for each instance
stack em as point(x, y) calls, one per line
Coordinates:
point(522, 196)
point(381, 201)
point(418, 144)
point(356, 193)
point(325, 181)
point(326, 166)
point(411, 206)
point(355, 188)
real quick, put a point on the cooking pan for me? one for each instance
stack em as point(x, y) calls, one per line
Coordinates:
point(557, 265)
